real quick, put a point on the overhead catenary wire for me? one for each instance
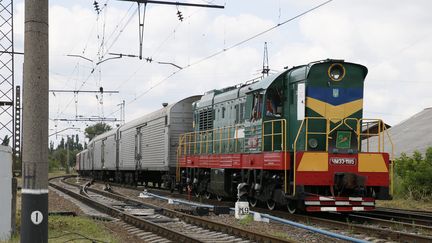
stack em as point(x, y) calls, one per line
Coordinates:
point(258, 34)
point(107, 50)
point(231, 47)
point(225, 50)
point(162, 43)
point(103, 53)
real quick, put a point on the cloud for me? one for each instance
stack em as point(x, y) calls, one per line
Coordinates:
point(392, 40)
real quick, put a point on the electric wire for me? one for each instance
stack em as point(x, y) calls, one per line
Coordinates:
point(225, 50)
point(93, 70)
point(232, 47)
point(258, 34)
point(159, 47)
point(156, 50)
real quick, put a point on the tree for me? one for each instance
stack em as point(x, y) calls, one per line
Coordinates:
point(62, 144)
point(51, 146)
point(414, 174)
point(5, 141)
point(97, 129)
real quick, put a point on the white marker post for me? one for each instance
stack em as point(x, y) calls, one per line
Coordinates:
point(241, 210)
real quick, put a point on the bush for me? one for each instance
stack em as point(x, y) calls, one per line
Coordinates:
point(414, 175)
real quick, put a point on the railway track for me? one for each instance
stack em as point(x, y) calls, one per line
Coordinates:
point(155, 224)
point(404, 216)
point(362, 226)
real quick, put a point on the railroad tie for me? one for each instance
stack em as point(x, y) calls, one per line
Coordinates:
point(152, 238)
point(161, 240)
point(135, 231)
point(129, 227)
point(144, 234)
point(212, 234)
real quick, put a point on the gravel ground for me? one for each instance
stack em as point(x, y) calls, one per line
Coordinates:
point(273, 229)
point(57, 204)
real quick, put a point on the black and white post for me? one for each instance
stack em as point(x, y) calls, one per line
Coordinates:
point(34, 209)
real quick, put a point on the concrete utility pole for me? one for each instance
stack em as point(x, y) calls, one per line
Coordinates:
point(34, 211)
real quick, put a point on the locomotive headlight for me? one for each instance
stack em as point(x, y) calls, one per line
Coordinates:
point(336, 72)
point(313, 143)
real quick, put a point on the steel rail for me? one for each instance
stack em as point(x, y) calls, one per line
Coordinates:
point(130, 219)
point(379, 232)
point(384, 222)
point(403, 216)
point(198, 221)
point(356, 228)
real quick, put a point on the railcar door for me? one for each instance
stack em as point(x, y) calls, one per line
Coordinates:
point(103, 153)
point(138, 153)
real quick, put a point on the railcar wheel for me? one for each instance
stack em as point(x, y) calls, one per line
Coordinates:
point(207, 195)
point(219, 198)
point(292, 206)
point(197, 194)
point(253, 202)
point(271, 204)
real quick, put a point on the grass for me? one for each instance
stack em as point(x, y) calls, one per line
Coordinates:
point(60, 173)
point(406, 204)
point(69, 229)
point(246, 220)
point(75, 229)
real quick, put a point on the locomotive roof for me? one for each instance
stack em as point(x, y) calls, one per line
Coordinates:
point(296, 74)
point(235, 91)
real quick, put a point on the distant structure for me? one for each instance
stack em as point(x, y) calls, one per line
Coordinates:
point(410, 135)
point(265, 70)
point(6, 71)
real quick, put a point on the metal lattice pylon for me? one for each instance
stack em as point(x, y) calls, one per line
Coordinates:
point(6, 71)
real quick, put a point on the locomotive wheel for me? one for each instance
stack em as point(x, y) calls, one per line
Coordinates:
point(271, 204)
point(292, 206)
point(219, 198)
point(207, 195)
point(253, 202)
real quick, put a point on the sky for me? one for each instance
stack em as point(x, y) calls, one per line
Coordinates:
point(393, 38)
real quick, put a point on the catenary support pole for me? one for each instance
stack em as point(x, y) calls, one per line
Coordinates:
point(34, 209)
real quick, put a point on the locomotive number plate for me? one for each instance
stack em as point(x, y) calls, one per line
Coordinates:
point(343, 161)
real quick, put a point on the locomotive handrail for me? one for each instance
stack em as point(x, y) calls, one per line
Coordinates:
point(326, 133)
point(356, 131)
point(295, 156)
point(382, 132)
point(283, 135)
point(307, 132)
point(191, 140)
